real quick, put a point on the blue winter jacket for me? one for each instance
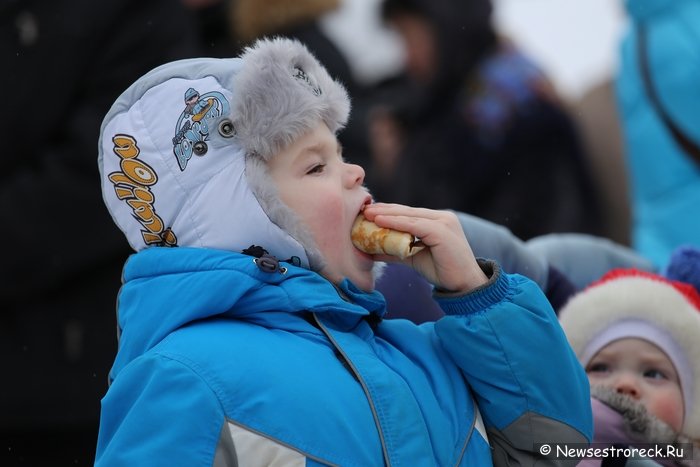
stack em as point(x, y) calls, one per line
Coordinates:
point(665, 181)
point(221, 363)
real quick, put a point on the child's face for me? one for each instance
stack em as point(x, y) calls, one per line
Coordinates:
point(327, 194)
point(642, 371)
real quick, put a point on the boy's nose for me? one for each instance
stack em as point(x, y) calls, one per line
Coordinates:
point(354, 175)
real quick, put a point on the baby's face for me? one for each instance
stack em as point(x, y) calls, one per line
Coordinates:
point(327, 194)
point(639, 369)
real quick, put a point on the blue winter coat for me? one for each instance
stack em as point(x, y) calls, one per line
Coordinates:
point(221, 363)
point(665, 181)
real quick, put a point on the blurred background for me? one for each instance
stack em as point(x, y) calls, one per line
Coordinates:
point(575, 42)
point(527, 113)
point(577, 45)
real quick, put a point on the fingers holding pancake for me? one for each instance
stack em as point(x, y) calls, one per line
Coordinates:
point(374, 240)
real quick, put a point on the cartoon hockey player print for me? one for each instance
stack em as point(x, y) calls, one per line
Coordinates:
point(192, 126)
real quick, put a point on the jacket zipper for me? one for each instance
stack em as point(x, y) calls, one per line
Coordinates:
point(351, 368)
point(358, 377)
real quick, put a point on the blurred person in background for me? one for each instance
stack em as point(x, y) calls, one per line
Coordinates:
point(65, 63)
point(598, 123)
point(475, 126)
point(658, 91)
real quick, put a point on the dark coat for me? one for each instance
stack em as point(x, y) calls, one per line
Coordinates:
point(64, 63)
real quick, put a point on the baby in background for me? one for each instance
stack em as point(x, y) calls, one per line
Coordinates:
point(638, 336)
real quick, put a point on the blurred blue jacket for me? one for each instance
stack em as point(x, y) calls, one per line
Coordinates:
point(665, 181)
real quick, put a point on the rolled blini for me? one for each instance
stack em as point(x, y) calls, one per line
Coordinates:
point(374, 240)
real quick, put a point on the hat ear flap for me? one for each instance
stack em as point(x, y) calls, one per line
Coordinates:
point(279, 213)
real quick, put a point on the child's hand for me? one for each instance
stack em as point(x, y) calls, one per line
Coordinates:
point(447, 261)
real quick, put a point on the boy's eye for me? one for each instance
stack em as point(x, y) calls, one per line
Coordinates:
point(598, 368)
point(318, 168)
point(655, 374)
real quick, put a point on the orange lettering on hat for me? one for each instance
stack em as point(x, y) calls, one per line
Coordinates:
point(132, 186)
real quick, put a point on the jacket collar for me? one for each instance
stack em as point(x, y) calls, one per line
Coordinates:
point(167, 288)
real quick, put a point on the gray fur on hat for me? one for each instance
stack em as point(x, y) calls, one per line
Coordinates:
point(274, 110)
point(179, 172)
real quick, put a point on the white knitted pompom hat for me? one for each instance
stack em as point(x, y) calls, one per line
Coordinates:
point(628, 303)
point(182, 152)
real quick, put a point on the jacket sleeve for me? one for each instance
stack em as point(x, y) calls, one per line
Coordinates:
point(490, 240)
point(159, 411)
point(529, 386)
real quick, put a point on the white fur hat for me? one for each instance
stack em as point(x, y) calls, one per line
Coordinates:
point(627, 303)
point(182, 152)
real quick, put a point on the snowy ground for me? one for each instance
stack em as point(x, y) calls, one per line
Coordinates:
point(575, 41)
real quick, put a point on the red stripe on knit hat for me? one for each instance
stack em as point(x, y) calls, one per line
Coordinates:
point(688, 291)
